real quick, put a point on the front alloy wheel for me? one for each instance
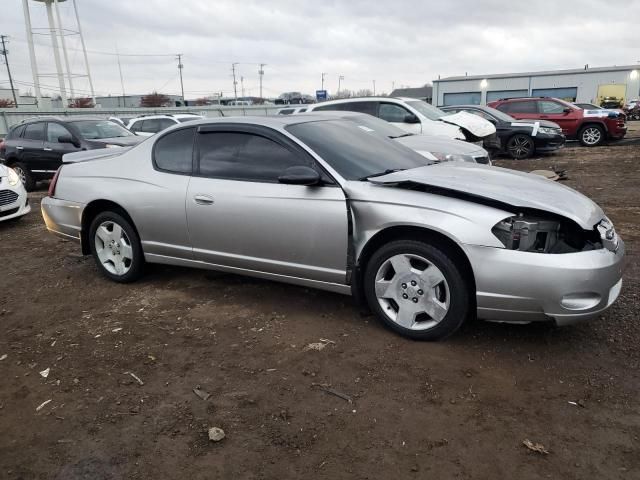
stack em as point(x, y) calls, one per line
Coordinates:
point(417, 289)
point(591, 136)
point(520, 147)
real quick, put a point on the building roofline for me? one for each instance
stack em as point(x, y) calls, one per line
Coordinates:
point(543, 73)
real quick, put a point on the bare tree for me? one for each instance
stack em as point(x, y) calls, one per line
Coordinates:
point(155, 99)
point(364, 92)
point(6, 103)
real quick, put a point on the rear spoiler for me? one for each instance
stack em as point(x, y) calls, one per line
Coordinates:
point(87, 155)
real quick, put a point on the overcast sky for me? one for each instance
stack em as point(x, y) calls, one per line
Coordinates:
point(401, 42)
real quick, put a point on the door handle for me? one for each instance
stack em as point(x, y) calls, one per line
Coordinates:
point(203, 200)
point(19, 148)
point(48, 149)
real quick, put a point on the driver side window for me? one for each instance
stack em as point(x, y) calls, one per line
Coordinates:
point(245, 157)
point(393, 113)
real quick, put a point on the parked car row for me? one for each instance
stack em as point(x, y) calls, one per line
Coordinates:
point(328, 200)
point(589, 127)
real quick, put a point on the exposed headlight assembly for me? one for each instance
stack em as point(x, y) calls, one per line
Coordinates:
point(451, 157)
point(13, 177)
point(530, 233)
point(111, 145)
point(548, 130)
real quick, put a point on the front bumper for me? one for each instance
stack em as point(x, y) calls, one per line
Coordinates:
point(549, 143)
point(17, 208)
point(520, 287)
point(62, 217)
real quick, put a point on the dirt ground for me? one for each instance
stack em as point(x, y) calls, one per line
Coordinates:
point(457, 409)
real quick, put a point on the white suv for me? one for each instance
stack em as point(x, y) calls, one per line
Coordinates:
point(147, 125)
point(415, 116)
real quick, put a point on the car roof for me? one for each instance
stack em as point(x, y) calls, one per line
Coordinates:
point(56, 118)
point(273, 121)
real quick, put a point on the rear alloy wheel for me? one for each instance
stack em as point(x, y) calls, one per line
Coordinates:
point(417, 290)
point(25, 176)
point(116, 247)
point(520, 147)
point(591, 135)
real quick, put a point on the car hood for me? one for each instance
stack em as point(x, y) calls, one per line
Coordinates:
point(120, 141)
point(473, 123)
point(515, 189)
point(439, 144)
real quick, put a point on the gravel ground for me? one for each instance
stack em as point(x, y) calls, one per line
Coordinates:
point(123, 360)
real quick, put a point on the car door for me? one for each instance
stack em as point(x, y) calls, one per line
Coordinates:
point(32, 146)
point(240, 216)
point(399, 116)
point(54, 150)
point(556, 112)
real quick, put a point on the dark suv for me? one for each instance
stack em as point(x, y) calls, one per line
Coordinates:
point(34, 148)
point(590, 127)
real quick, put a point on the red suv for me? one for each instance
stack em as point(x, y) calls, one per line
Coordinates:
point(590, 127)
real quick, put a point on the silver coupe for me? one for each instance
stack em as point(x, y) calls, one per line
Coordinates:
point(316, 201)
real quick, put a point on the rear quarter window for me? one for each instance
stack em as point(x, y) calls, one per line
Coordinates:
point(173, 152)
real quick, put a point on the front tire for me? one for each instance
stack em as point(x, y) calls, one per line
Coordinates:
point(25, 176)
point(520, 146)
point(591, 135)
point(115, 247)
point(417, 290)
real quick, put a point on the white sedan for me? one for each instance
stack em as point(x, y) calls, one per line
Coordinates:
point(13, 196)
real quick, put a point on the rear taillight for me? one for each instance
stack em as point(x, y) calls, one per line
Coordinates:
point(52, 185)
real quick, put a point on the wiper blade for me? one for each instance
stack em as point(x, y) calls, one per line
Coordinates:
point(380, 174)
point(403, 135)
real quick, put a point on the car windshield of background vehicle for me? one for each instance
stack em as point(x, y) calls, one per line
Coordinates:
point(429, 111)
point(503, 117)
point(352, 152)
point(96, 129)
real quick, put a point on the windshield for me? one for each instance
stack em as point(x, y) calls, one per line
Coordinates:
point(96, 129)
point(370, 124)
point(352, 152)
point(426, 109)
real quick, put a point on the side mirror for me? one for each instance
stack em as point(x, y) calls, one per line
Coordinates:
point(566, 110)
point(411, 118)
point(299, 176)
point(68, 139)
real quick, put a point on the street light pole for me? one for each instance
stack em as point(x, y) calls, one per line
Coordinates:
point(374, 88)
point(322, 77)
point(261, 74)
point(340, 78)
point(235, 84)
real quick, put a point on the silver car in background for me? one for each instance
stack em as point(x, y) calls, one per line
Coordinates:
point(316, 201)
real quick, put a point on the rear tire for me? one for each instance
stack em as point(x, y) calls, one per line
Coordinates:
point(591, 135)
point(115, 247)
point(417, 290)
point(520, 146)
point(25, 176)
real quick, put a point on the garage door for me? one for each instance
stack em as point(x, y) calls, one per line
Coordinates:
point(498, 94)
point(463, 98)
point(568, 93)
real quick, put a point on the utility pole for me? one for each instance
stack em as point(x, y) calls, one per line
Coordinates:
point(322, 77)
point(340, 78)
point(6, 62)
point(374, 88)
point(180, 66)
point(235, 84)
point(242, 85)
point(261, 74)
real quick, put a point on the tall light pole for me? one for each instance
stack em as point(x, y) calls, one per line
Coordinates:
point(340, 78)
point(6, 62)
point(374, 88)
point(261, 74)
point(242, 85)
point(235, 84)
point(322, 80)
point(180, 67)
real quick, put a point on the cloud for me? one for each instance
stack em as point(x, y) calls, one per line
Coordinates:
point(401, 42)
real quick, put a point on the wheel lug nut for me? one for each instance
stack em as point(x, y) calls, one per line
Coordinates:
point(404, 285)
point(415, 300)
point(413, 282)
point(420, 292)
point(404, 295)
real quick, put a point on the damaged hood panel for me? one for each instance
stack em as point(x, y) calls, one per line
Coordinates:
point(509, 187)
point(478, 126)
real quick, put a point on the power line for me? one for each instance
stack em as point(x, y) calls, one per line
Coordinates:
point(6, 61)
